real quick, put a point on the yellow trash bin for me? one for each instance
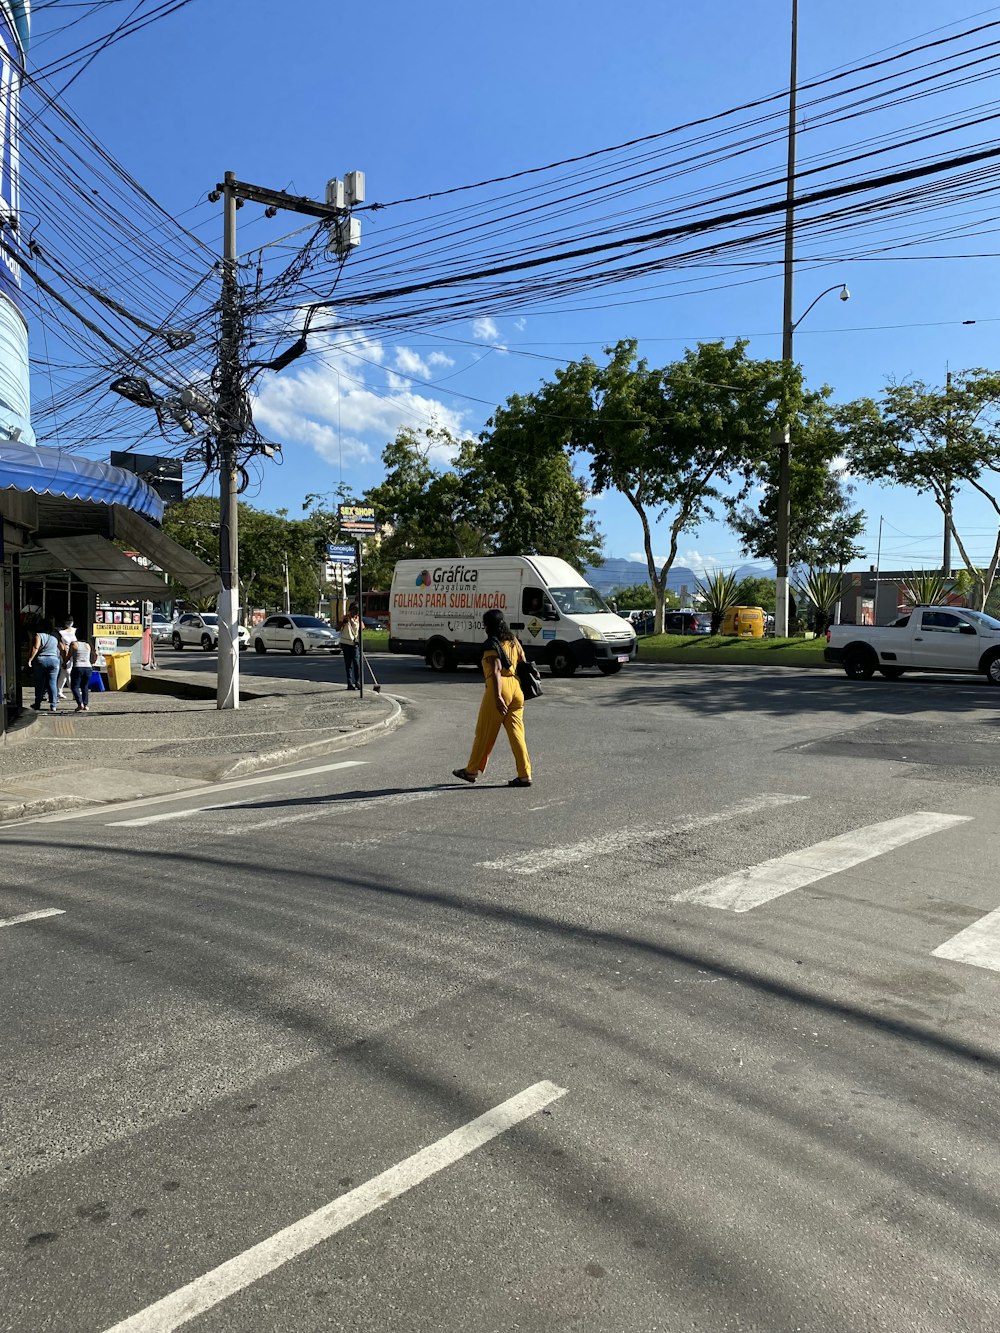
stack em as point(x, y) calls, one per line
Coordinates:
point(119, 669)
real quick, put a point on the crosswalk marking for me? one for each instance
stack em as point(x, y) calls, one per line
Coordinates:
point(187, 1303)
point(624, 840)
point(32, 916)
point(749, 888)
point(977, 945)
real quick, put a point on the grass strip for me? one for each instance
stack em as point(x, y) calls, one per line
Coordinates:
point(697, 649)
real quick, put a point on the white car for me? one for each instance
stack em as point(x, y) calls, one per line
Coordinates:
point(201, 629)
point(295, 634)
point(162, 628)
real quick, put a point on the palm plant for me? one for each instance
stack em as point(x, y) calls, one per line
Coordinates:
point(925, 589)
point(718, 594)
point(821, 588)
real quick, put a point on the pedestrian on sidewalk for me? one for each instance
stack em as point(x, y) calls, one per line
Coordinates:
point(502, 704)
point(81, 660)
point(45, 659)
point(350, 634)
point(67, 637)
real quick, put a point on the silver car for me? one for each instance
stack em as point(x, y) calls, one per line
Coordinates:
point(295, 634)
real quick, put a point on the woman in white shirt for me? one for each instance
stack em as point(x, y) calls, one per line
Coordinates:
point(80, 659)
point(350, 634)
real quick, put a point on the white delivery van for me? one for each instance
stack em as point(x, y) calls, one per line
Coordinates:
point(436, 610)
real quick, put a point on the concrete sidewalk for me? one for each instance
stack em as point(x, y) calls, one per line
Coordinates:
point(167, 735)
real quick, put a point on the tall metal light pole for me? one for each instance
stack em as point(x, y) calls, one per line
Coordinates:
point(787, 330)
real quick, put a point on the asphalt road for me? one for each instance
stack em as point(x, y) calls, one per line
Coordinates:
point(249, 1062)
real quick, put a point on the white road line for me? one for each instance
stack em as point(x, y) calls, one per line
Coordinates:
point(61, 816)
point(623, 840)
point(235, 1274)
point(978, 944)
point(759, 884)
point(33, 916)
point(222, 786)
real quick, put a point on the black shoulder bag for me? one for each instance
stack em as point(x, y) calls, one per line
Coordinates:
point(527, 673)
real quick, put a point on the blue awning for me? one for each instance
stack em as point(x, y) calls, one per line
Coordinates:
point(52, 472)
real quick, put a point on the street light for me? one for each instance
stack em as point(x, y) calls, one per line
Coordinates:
point(784, 474)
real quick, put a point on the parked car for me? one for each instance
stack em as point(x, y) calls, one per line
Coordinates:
point(371, 623)
point(200, 629)
point(161, 627)
point(295, 634)
point(687, 622)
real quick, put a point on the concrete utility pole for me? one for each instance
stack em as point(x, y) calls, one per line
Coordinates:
point(228, 684)
point(345, 235)
point(787, 331)
point(946, 555)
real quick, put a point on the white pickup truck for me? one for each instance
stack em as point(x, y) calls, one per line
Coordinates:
point(930, 638)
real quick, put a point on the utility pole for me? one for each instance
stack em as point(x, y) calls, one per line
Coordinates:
point(288, 600)
point(228, 683)
point(946, 556)
point(784, 429)
point(345, 235)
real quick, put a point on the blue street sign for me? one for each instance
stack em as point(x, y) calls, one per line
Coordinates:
point(335, 552)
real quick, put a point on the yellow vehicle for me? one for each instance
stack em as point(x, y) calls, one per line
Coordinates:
point(744, 622)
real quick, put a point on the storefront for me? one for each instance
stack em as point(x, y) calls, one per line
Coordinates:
point(61, 517)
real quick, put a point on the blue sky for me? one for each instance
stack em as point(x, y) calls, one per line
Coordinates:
point(423, 98)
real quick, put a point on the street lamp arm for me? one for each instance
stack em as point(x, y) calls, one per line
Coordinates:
point(845, 295)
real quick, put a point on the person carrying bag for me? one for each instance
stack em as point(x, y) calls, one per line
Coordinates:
point(502, 703)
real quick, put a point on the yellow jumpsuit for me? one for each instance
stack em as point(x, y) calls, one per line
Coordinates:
point(489, 721)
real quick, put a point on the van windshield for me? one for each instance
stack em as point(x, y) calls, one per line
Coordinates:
point(582, 601)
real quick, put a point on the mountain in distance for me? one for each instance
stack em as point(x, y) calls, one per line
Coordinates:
point(614, 574)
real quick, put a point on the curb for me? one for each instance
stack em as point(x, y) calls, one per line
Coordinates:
point(239, 768)
point(288, 754)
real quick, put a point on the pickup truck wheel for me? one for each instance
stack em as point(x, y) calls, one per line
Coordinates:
point(891, 673)
point(609, 668)
point(993, 670)
point(859, 665)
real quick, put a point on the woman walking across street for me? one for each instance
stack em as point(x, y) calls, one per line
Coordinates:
point(502, 704)
point(45, 659)
point(350, 632)
point(80, 661)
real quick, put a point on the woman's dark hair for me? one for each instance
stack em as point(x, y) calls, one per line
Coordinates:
point(496, 626)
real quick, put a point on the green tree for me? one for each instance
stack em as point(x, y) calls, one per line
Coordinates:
point(672, 440)
point(267, 540)
point(934, 440)
point(756, 591)
point(486, 502)
point(636, 597)
point(823, 528)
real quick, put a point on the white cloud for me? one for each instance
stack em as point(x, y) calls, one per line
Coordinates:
point(440, 359)
point(485, 329)
point(412, 363)
point(348, 405)
point(520, 325)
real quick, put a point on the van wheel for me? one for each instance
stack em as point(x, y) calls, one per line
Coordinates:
point(561, 660)
point(891, 673)
point(993, 670)
point(440, 657)
point(609, 668)
point(859, 664)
